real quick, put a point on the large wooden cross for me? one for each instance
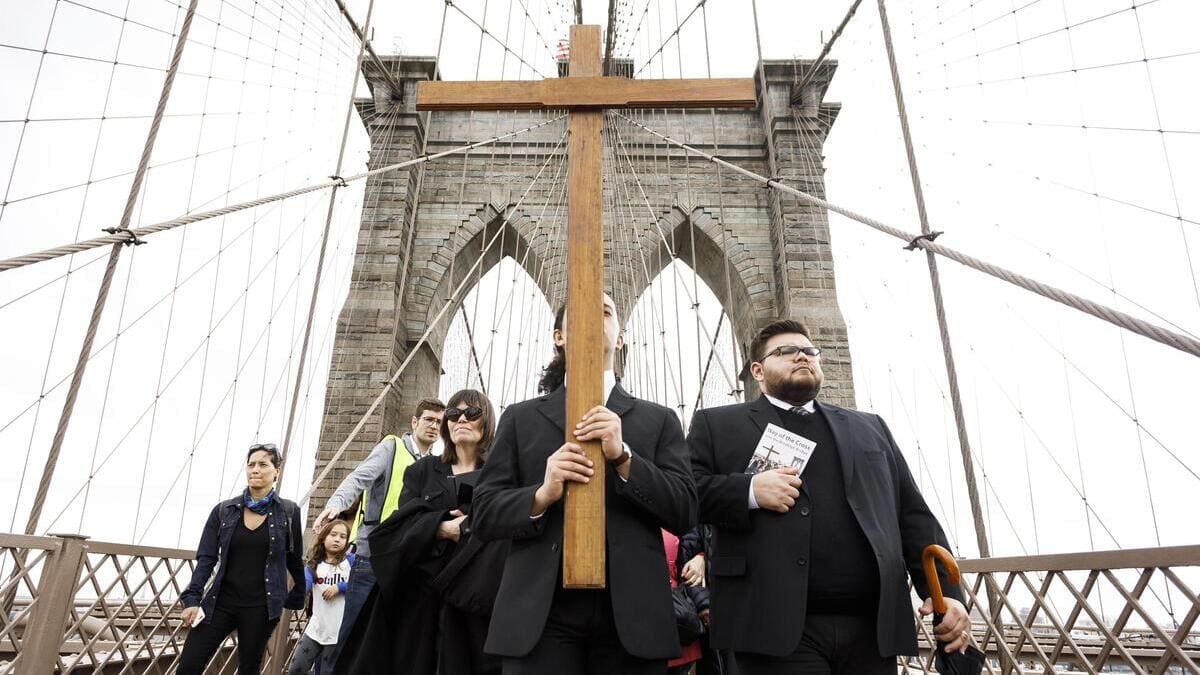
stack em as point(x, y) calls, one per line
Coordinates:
point(585, 94)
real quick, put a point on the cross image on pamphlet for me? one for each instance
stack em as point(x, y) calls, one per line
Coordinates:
point(780, 448)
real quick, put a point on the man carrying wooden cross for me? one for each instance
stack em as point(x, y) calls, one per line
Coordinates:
point(626, 625)
point(597, 617)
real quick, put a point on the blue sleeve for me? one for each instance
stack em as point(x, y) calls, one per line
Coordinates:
point(308, 579)
point(206, 560)
point(342, 585)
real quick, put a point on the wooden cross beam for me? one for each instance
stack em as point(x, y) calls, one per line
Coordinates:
point(585, 94)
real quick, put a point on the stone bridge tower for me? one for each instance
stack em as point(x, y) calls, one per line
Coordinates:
point(420, 235)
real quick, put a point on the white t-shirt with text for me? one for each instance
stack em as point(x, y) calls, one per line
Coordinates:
point(327, 614)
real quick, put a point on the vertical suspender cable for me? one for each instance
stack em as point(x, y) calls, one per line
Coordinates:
point(727, 303)
point(783, 297)
point(316, 289)
point(64, 421)
point(960, 422)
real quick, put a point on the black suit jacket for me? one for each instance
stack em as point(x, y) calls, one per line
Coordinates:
point(759, 582)
point(658, 494)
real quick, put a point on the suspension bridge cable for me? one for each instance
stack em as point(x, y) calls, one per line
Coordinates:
point(799, 85)
point(497, 40)
point(671, 251)
point(939, 303)
point(725, 264)
point(240, 364)
point(673, 36)
point(416, 348)
point(556, 185)
point(1130, 323)
point(687, 165)
point(125, 328)
point(1075, 71)
point(462, 179)
point(106, 282)
point(130, 235)
point(316, 288)
point(656, 320)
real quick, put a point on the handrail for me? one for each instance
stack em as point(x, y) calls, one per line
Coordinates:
point(1167, 556)
point(118, 605)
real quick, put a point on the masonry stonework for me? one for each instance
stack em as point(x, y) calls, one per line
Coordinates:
point(431, 229)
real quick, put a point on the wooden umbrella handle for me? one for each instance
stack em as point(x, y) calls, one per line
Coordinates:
point(932, 552)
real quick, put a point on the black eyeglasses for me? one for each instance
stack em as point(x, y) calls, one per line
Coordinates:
point(269, 447)
point(790, 351)
point(472, 413)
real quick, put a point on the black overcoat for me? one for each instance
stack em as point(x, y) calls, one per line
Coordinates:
point(415, 573)
point(659, 493)
point(759, 580)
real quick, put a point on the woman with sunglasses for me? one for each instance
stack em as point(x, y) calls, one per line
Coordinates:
point(250, 545)
point(436, 583)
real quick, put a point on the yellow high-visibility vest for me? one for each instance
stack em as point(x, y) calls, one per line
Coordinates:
point(401, 461)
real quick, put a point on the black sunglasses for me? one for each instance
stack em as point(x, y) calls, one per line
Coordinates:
point(472, 413)
point(269, 448)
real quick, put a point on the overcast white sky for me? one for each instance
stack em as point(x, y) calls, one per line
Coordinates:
point(1040, 149)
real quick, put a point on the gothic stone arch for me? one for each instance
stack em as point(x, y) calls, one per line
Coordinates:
point(422, 218)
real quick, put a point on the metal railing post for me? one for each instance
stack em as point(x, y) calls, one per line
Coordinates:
point(278, 649)
point(52, 611)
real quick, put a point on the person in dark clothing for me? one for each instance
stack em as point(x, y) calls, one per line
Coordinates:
point(253, 542)
point(693, 571)
point(435, 581)
point(691, 649)
point(628, 627)
point(808, 572)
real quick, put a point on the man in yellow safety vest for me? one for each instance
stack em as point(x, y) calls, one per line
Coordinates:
point(375, 484)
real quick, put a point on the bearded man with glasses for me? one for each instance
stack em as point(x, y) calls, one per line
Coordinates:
point(809, 556)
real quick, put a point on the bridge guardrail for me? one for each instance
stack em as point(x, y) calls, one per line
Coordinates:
point(1133, 610)
point(74, 605)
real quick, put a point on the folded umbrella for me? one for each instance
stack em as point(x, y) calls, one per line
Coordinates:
point(969, 662)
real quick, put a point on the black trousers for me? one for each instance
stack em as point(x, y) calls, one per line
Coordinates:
point(461, 635)
point(580, 638)
point(831, 645)
point(253, 632)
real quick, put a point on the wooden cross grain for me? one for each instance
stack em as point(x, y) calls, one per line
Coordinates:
point(585, 94)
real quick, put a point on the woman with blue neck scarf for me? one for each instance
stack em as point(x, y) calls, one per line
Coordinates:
point(250, 545)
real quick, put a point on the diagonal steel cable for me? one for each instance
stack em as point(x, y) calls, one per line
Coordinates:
point(1131, 323)
point(450, 302)
point(129, 236)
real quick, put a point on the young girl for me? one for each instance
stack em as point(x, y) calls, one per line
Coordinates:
point(325, 576)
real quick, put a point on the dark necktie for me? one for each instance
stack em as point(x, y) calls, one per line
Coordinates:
point(802, 413)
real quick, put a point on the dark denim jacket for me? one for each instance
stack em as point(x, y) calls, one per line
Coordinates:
point(284, 557)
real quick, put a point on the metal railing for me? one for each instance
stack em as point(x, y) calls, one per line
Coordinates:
point(1131, 611)
point(73, 605)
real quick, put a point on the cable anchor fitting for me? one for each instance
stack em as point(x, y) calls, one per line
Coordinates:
point(338, 181)
point(133, 239)
point(913, 245)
